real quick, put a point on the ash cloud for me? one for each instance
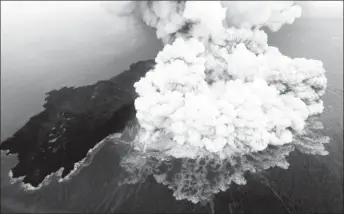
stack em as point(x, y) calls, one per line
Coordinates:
point(216, 86)
point(219, 93)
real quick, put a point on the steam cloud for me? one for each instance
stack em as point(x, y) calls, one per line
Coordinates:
point(219, 93)
point(216, 86)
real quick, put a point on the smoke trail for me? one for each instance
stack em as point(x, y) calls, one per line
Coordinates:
point(220, 101)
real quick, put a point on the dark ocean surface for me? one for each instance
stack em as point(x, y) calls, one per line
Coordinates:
point(312, 184)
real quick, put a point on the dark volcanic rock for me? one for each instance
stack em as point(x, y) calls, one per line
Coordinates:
point(73, 122)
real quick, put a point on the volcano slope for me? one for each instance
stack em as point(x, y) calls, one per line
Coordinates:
point(74, 121)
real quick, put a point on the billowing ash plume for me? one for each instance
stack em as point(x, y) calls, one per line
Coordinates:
point(219, 93)
point(215, 86)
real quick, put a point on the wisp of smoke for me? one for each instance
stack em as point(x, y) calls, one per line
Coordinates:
point(220, 101)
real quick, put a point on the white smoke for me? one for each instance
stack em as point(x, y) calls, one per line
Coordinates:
point(217, 86)
point(272, 14)
point(219, 92)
